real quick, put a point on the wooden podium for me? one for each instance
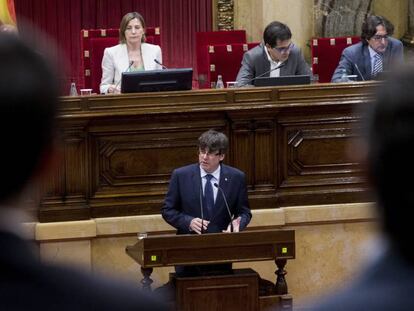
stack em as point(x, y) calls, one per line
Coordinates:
point(256, 245)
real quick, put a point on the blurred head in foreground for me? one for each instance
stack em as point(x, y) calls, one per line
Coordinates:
point(389, 142)
point(28, 102)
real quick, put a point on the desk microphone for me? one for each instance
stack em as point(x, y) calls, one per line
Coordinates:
point(362, 77)
point(263, 74)
point(355, 65)
point(159, 63)
point(227, 206)
point(129, 66)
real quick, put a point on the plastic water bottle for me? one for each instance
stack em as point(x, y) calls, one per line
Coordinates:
point(73, 91)
point(314, 76)
point(219, 83)
point(344, 76)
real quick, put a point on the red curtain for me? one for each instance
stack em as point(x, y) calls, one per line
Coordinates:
point(62, 20)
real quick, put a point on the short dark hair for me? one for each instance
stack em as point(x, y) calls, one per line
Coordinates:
point(276, 31)
point(369, 27)
point(213, 141)
point(390, 155)
point(28, 102)
point(124, 24)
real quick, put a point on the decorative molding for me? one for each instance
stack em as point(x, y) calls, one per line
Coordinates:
point(337, 18)
point(408, 38)
point(225, 14)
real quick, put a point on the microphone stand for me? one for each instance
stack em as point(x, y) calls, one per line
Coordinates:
point(158, 62)
point(129, 66)
point(227, 206)
point(355, 65)
point(201, 207)
point(262, 75)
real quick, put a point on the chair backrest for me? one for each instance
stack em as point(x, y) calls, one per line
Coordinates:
point(206, 38)
point(326, 53)
point(93, 44)
point(225, 60)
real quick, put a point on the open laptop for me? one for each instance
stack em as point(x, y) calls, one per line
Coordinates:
point(284, 80)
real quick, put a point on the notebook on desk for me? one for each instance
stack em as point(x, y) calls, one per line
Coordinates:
point(283, 80)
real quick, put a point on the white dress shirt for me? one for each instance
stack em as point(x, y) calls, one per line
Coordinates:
point(215, 179)
point(273, 65)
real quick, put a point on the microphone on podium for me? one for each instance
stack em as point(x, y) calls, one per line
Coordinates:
point(201, 209)
point(129, 66)
point(227, 206)
point(263, 74)
point(159, 63)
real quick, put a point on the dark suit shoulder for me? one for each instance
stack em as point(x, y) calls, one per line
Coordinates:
point(256, 52)
point(83, 291)
point(355, 48)
point(186, 169)
point(31, 284)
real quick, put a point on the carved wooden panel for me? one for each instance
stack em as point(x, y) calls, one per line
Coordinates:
point(65, 192)
point(314, 158)
point(133, 160)
point(119, 151)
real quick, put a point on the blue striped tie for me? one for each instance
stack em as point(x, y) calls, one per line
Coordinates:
point(377, 65)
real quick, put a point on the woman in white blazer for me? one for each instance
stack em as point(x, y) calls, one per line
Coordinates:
point(131, 54)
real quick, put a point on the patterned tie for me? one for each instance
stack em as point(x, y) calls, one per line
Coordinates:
point(209, 196)
point(377, 65)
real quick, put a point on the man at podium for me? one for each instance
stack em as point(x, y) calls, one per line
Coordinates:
point(207, 197)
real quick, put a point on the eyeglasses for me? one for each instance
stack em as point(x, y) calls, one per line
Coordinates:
point(379, 37)
point(209, 154)
point(284, 49)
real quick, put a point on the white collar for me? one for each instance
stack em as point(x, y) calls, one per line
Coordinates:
point(216, 173)
point(372, 52)
point(273, 63)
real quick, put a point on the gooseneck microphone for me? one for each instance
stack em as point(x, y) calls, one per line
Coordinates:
point(159, 63)
point(263, 74)
point(201, 207)
point(362, 77)
point(227, 206)
point(129, 66)
point(355, 65)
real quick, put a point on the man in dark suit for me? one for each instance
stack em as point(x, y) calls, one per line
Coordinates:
point(187, 207)
point(275, 56)
point(28, 103)
point(388, 282)
point(376, 52)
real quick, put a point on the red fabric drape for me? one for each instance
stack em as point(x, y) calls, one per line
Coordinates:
point(62, 20)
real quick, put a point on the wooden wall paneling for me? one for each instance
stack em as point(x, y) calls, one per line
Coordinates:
point(65, 193)
point(241, 145)
point(265, 153)
point(313, 158)
point(254, 144)
point(134, 159)
point(119, 151)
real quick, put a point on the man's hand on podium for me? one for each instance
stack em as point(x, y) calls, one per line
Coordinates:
point(236, 225)
point(196, 223)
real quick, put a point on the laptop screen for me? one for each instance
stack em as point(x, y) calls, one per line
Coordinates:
point(283, 80)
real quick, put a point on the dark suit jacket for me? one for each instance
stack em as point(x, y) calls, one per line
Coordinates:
point(183, 199)
point(28, 284)
point(358, 54)
point(388, 284)
point(255, 63)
